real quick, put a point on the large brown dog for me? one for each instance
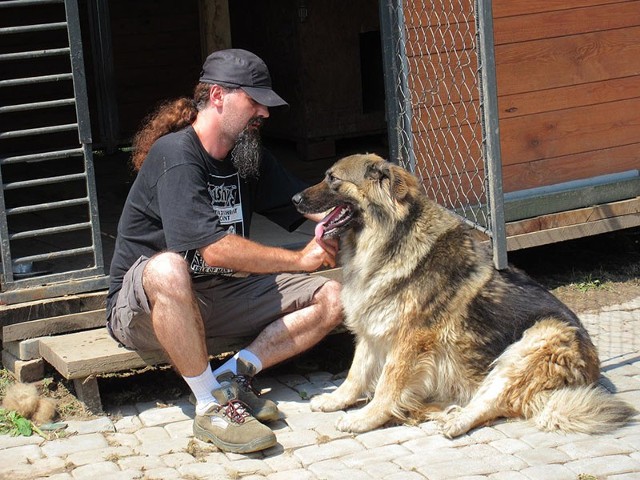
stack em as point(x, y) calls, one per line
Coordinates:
point(441, 334)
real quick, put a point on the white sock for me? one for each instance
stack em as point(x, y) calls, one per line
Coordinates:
point(202, 386)
point(230, 365)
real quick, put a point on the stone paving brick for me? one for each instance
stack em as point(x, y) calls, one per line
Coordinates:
point(300, 438)
point(205, 470)
point(165, 473)
point(124, 439)
point(57, 476)
point(390, 436)
point(429, 443)
point(123, 475)
point(96, 470)
point(624, 476)
point(42, 467)
point(479, 451)
point(510, 445)
point(405, 476)
point(250, 466)
point(553, 439)
point(429, 456)
point(23, 454)
point(180, 429)
point(309, 420)
point(379, 454)
point(608, 465)
point(333, 449)
point(152, 434)
point(177, 459)
point(516, 428)
point(162, 416)
point(485, 435)
point(298, 474)
point(548, 472)
point(160, 448)
point(508, 476)
point(381, 469)
point(283, 462)
point(140, 462)
point(329, 431)
point(103, 424)
point(470, 466)
point(77, 443)
point(597, 446)
point(90, 456)
point(7, 441)
point(542, 456)
point(127, 424)
point(326, 467)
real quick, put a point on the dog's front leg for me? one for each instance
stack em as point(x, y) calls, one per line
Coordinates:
point(391, 390)
point(361, 375)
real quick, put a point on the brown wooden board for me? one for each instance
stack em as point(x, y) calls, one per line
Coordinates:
point(569, 60)
point(505, 8)
point(568, 21)
point(574, 217)
point(54, 325)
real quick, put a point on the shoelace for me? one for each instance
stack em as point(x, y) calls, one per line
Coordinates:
point(246, 383)
point(236, 411)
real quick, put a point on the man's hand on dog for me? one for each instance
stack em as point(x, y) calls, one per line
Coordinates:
point(316, 255)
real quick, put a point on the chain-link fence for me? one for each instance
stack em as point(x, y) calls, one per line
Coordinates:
point(440, 83)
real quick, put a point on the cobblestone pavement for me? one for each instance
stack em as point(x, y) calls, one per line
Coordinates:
point(155, 442)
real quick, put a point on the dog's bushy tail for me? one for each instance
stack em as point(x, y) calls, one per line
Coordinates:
point(584, 409)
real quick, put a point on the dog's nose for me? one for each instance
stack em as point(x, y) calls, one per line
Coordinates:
point(296, 199)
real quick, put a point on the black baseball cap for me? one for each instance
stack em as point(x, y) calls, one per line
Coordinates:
point(239, 68)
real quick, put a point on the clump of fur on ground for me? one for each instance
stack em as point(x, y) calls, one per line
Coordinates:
point(24, 399)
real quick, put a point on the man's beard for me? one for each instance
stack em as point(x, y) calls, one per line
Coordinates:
point(246, 155)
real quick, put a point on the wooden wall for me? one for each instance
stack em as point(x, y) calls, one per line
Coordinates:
point(568, 89)
point(568, 74)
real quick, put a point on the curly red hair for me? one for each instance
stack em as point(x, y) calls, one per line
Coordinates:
point(170, 116)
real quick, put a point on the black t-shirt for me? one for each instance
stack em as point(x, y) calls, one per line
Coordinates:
point(183, 199)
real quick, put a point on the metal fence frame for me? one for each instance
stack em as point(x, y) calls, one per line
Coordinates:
point(15, 289)
point(487, 216)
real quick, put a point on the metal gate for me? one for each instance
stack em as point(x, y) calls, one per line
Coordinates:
point(442, 106)
point(49, 227)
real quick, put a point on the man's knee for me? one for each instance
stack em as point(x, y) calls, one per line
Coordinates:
point(328, 296)
point(166, 270)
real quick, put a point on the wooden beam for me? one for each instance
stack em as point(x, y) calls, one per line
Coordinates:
point(53, 325)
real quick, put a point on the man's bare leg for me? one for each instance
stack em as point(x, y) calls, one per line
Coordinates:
point(300, 330)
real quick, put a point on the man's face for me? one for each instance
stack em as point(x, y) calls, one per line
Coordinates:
point(243, 121)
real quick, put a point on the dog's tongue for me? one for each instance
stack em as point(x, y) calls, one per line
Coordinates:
point(321, 226)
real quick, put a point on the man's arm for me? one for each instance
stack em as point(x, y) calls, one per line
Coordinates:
point(243, 255)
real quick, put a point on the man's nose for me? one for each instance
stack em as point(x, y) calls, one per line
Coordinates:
point(263, 111)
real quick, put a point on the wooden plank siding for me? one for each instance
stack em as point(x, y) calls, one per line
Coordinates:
point(568, 76)
point(568, 89)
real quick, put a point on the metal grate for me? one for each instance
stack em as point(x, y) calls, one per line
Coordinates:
point(440, 82)
point(49, 227)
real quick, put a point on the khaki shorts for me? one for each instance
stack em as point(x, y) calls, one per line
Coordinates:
point(230, 306)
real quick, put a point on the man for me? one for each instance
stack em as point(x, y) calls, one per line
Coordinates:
point(183, 267)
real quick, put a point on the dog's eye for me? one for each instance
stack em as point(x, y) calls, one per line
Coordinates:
point(330, 177)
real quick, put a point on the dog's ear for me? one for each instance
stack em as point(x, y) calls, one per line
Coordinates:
point(377, 171)
point(400, 184)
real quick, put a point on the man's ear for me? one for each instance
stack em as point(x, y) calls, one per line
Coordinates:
point(216, 95)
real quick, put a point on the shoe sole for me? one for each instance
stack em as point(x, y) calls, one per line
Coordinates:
point(254, 446)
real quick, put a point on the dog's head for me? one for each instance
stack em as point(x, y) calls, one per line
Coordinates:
point(357, 189)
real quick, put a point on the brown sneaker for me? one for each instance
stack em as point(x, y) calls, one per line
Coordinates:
point(230, 426)
point(263, 409)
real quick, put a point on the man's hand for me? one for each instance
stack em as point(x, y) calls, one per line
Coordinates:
point(316, 255)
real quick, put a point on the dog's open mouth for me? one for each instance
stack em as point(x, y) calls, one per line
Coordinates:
point(331, 225)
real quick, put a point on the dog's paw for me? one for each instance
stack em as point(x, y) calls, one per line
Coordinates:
point(327, 402)
point(454, 421)
point(357, 423)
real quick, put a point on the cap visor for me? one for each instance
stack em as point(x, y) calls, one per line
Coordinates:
point(265, 96)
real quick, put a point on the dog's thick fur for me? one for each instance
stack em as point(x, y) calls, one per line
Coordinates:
point(24, 399)
point(440, 333)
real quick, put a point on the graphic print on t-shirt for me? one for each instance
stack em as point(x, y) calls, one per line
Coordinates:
point(226, 201)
